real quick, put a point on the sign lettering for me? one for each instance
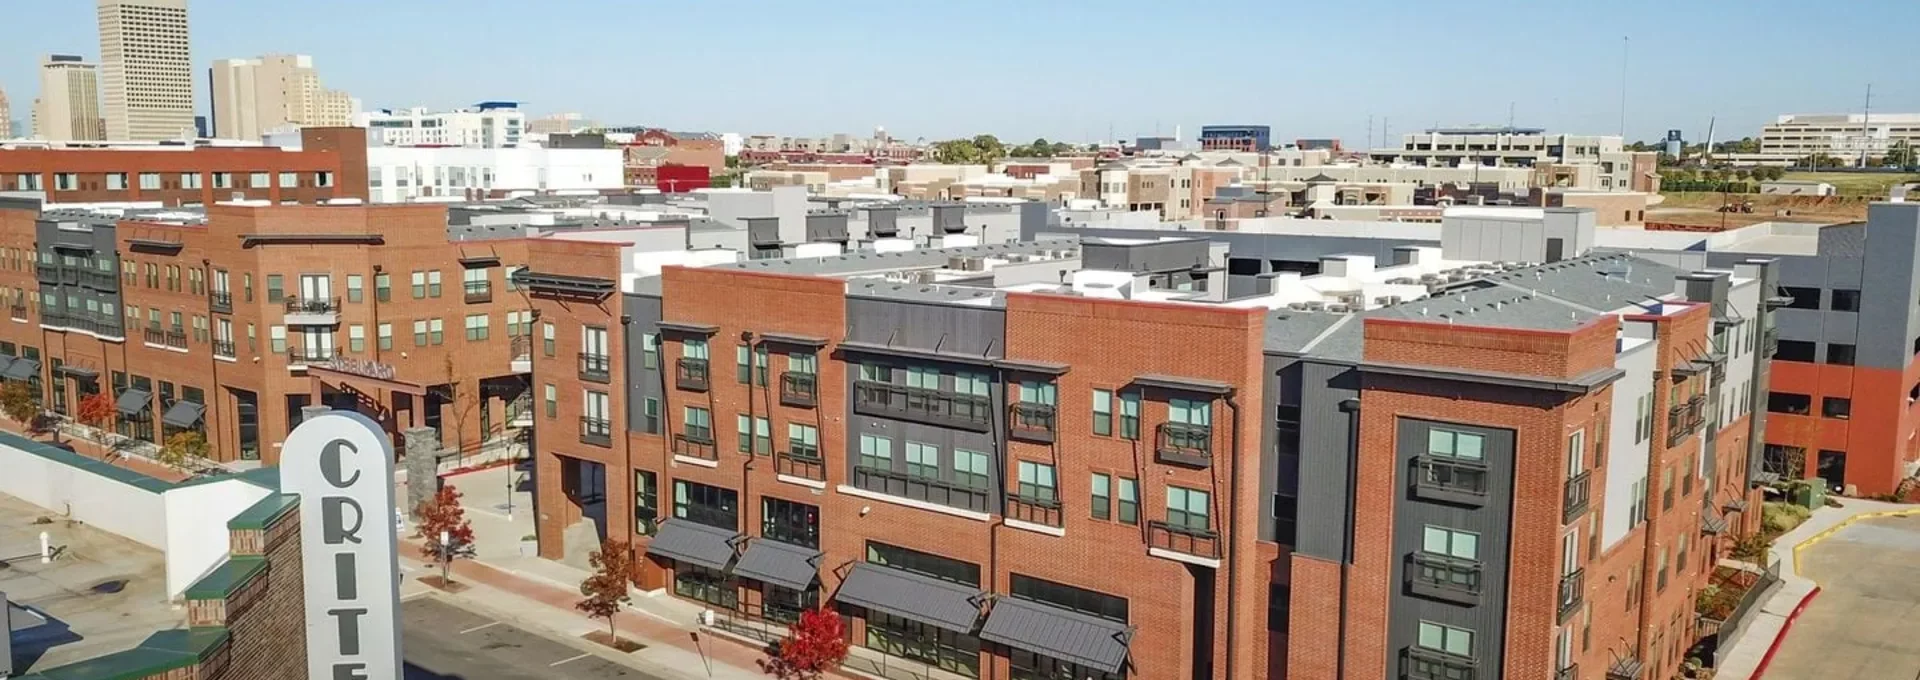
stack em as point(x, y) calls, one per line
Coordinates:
point(361, 367)
point(341, 465)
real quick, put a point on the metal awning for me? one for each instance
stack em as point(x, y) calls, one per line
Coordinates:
point(1183, 384)
point(480, 261)
point(813, 341)
point(1713, 526)
point(1059, 633)
point(694, 543)
point(688, 327)
point(929, 600)
point(1763, 477)
point(133, 401)
point(183, 414)
point(917, 353)
point(1736, 504)
point(23, 369)
point(782, 564)
point(1625, 669)
point(5, 363)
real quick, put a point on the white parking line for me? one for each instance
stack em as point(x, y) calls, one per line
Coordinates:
point(483, 626)
point(575, 658)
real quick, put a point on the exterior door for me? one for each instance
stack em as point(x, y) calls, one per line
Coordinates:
point(315, 288)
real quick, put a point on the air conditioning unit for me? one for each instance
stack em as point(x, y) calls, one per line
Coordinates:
point(1338, 308)
point(925, 276)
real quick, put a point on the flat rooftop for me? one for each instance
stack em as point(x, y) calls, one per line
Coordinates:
point(101, 594)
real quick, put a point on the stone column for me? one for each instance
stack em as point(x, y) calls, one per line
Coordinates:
point(423, 466)
point(310, 412)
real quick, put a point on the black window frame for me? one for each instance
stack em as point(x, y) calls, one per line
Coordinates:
point(789, 522)
point(1073, 598)
point(1838, 408)
point(923, 563)
point(713, 502)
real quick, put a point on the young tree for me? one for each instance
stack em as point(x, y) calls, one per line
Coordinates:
point(96, 411)
point(181, 447)
point(442, 514)
point(606, 590)
point(460, 408)
point(19, 402)
point(815, 644)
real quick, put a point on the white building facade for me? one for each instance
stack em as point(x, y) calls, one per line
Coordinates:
point(406, 174)
point(1846, 136)
point(487, 125)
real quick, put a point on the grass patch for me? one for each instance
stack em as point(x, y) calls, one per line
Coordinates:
point(1855, 183)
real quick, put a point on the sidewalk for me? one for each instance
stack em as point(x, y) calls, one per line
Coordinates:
point(1749, 653)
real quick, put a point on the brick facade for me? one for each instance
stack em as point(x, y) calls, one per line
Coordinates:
point(332, 163)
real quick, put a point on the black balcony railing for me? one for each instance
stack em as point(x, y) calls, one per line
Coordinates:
point(928, 489)
point(1032, 422)
point(1685, 418)
point(596, 431)
point(596, 367)
point(103, 326)
point(69, 275)
point(220, 301)
point(520, 348)
point(799, 389)
point(99, 280)
point(1450, 480)
point(47, 273)
point(1184, 444)
point(1573, 591)
point(692, 374)
point(934, 407)
point(1420, 663)
point(802, 462)
point(166, 338)
point(1183, 539)
point(223, 348)
point(312, 305)
point(1444, 577)
point(695, 444)
point(18, 310)
point(1033, 510)
point(1571, 672)
point(1574, 495)
point(478, 292)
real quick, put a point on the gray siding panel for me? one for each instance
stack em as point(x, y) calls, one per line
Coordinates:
point(1886, 320)
point(955, 329)
point(1326, 459)
point(1492, 522)
point(642, 383)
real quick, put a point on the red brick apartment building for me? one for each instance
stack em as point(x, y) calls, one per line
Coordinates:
point(231, 319)
point(1033, 485)
point(332, 163)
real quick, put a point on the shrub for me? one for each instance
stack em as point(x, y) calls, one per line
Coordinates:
point(1780, 518)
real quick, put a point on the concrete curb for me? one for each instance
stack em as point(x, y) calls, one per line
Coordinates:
point(1816, 538)
point(1787, 625)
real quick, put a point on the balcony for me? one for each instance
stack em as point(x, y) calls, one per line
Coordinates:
point(220, 301)
point(691, 374)
point(102, 326)
point(1182, 540)
point(1573, 591)
point(1571, 672)
point(1686, 418)
point(175, 339)
point(520, 411)
point(47, 273)
point(933, 407)
point(520, 351)
point(1420, 663)
point(596, 367)
point(799, 389)
point(801, 462)
point(927, 489)
point(596, 431)
point(1450, 480)
point(99, 280)
point(1184, 444)
point(696, 443)
point(19, 310)
point(1444, 578)
point(1032, 422)
point(223, 348)
point(1574, 495)
point(69, 275)
point(1044, 511)
point(313, 311)
point(478, 292)
point(303, 356)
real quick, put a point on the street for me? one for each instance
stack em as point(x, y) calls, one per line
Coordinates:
point(1860, 627)
point(445, 642)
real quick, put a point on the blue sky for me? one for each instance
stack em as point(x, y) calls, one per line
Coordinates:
point(1064, 69)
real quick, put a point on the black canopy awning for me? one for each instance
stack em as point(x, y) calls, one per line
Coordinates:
point(1059, 633)
point(782, 564)
point(694, 543)
point(183, 414)
point(23, 369)
point(929, 600)
point(133, 401)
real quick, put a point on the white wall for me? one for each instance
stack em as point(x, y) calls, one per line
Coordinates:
point(197, 536)
point(1626, 458)
point(452, 171)
point(104, 502)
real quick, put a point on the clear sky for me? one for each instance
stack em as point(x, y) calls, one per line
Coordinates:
point(1064, 69)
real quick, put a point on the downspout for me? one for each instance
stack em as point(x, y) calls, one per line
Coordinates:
point(213, 361)
point(626, 443)
point(1352, 408)
point(1233, 533)
point(753, 422)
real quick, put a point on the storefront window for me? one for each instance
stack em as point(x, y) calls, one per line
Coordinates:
point(695, 582)
point(1030, 666)
point(915, 641)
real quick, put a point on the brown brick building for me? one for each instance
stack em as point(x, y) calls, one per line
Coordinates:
point(332, 163)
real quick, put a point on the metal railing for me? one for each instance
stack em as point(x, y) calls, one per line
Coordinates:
point(928, 489)
point(1033, 510)
point(1183, 539)
point(1573, 591)
point(301, 355)
point(223, 348)
point(312, 305)
point(695, 444)
point(596, 367)
point(1184, 444)
point(799, 389)
point(1686, 418)
point(99, 280)
point(1032, 422)
point(692, 374)
point(520, 348)
point(166, 338)
point(220, 301)
point(1450, 480)
point(804, 463)
point(95, 324)
point(934, 407)
point(596, 431)
point(18, 310)
point(1574, 495)
point(1444, 576)
point(1428, 664)
point(477, 292)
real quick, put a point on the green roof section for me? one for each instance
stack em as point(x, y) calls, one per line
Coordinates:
point(226, 578)
point(161, 652)
point(262, 514)
point(75, 460)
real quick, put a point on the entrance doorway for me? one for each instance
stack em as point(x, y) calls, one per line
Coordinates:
point(584, 484)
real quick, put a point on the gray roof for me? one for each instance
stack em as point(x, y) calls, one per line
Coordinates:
point(1059, 633)
point(781, 564)
point(23, 369)
point(694, 543)
point(912, 596)
point(868, 261)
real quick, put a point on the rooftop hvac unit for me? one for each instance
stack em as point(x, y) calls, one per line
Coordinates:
point(1353, 298)
point(957, 262)
point(1431, 278)
point(1316, 305)
point(1457, 277)
point(925, 276)
point(1403, 281)
point(1338, 308)
point(1387, 300)
point(1296, 305)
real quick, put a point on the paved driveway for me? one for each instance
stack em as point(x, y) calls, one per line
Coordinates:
point(1861, 626)
point(445, 642)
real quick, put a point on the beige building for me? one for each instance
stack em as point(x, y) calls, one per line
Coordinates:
point(69, 105)
point(6, 116)
point(146, 70)
point(1847, 136)
point(252, 97)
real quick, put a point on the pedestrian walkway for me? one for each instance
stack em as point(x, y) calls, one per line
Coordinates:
point(1747, 657)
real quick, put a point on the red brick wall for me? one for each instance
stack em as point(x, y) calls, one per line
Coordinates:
point(339, 151)
point(1548, 354)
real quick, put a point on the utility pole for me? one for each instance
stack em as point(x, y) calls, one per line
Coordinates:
point(1369, 133)
point(1866, 133)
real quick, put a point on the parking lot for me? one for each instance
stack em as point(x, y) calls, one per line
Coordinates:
point(1860, 626)
point(446, 642)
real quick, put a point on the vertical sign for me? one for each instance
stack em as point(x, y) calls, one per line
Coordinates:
point(341, 465)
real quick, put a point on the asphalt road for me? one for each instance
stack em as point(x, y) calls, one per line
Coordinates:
point(445, 642)
point(1861, 626)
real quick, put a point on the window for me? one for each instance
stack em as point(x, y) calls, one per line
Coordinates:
point(1638, 513)
point(277, 339)
point(473, 281)
point(116, 181)
point(1459, 445)
point(1187, 508)
point(65, 181)
point(546, 338)
point(553, 401)
point(923, 460)
point(876, 452)
point(322, 178)
point(1845, 300)
point(223, 180)
point(1836, 407)
point(385, 336)
point(1680, 554)
point(650, 350)
point(289, 180)
point(1446, 639)
point(695, 348)
point(1034, 392)
point(1036, 481)
point(1103, 412)
point(970, 468)
point(1839, 354)
point(1102, 496)
point(276, 286)
point(1068, 597)
point(476, 327)
point(1660, 574)
point(803, 441)
point(760, 437)
point(1462, 545)
point(383, 287)
point(510, 273)
point(1190, 412)
point(259, 180)
point(876, 373)
point(650, 416)
point(419, 285)
point(1789, 403)
point(1130, 415)
point(1643, 419)
point(646, 501)
point(925, 564)
point(1794, 350)
point(923, 378)
point(1129, 501)
point(709, 505)
point(420, 333)
point(356, 338)
point(356, 285)
point(698, 423)
point(1666, 489)
point(790, 522)
point(149, 181)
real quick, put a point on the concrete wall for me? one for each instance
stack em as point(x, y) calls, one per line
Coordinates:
point(196, 531)
point(126, 503)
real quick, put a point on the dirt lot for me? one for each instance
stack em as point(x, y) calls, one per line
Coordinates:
point(1701, 209)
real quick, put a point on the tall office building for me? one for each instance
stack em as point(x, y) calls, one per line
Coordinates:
point(146, 71)
point(6, 116)
point(69, 103)
point(252, 97)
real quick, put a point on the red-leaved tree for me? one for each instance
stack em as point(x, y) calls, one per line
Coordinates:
point(815, 644)
point(95, 410)
point(442, 514)
point(606, 589)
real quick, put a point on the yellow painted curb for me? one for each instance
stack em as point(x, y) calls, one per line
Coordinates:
point(1816, 538)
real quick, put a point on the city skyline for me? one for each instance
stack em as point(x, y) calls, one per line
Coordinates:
point(1391, 70)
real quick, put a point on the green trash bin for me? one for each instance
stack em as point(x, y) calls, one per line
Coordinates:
point(1809, 493)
